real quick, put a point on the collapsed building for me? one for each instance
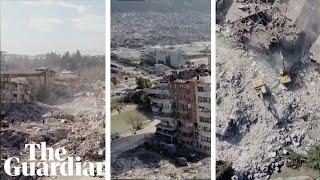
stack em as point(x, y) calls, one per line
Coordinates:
point(256, 124)
point(162, 104)
point(20, 87)
point(291, 25)
point(181, 102)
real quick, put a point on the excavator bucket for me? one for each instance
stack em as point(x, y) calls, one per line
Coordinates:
point(285, 78)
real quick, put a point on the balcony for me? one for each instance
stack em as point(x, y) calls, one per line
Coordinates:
point(205, 143)
point(186, 130)
point(163, 118)
point(160, 100)
point(203, 93)
point(186, 138)
point(206, 105)
point(165, 132)
point(158, 91)
point(204, 114)
point(205, 133)
point(166, 127)
point(204, 124)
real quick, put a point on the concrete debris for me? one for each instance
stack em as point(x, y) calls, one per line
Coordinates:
point(141, 163)
point(254, 134)
point(80, 131)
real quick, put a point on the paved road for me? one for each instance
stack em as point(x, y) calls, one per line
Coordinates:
point(132, 141)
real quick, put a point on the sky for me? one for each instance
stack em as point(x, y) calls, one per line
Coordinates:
point(33, 27)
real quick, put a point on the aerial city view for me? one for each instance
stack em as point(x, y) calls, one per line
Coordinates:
point(52, 80)
point(268, 89)
point(160, 89)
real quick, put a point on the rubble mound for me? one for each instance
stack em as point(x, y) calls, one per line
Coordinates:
point(25, 112)
point(253, 132)
point(141, 163)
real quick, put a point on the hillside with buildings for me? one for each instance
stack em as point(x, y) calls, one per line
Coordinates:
point(160, 90)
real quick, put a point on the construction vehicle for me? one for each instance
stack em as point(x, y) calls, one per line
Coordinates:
point(285, 77)
point(260, 87)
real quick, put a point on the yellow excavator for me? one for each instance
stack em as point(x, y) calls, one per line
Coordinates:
point(285, 77)
point(259, 87)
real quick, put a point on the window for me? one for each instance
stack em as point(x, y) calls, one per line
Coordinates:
point(205, 119)
point(207, 148)
point(207, 129)
point(203, 99)
point(205, 139)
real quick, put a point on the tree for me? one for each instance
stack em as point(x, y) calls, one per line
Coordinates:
point(314, 158)
point(224, 170)
point(66, 60)
point(136, 121)
point(143, 83)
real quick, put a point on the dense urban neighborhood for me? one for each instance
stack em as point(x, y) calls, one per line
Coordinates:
point(160, 90)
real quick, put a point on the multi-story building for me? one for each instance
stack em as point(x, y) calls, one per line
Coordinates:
point(184, 93)
point(162, 104)
point(182, 104)
point(14, 92)
point(203, 108)
point(178, 55)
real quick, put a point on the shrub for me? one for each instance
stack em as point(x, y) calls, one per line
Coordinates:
point(314, 158)
point(224, 170)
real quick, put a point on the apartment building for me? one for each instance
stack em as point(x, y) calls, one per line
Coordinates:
point(184, 93)
point(203, 108)
point(14, 92)
point(162, 104)
point(182, 103)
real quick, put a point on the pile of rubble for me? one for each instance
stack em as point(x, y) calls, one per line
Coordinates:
point(141, 163)
point(252, 132)
point(262, 23)
point(75, 125)
point(25, 112)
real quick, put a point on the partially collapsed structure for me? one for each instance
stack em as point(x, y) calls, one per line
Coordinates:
point(292, 25)
point(181, 102)
point(18, 86)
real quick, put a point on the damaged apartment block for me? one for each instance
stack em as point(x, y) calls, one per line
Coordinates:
point(21, 87)
point(181, 102)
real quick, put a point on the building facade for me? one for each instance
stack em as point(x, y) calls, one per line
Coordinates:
point(162, 104)
point(14, 93)
point(184, 93)
point(183, 106)
point(203, 108)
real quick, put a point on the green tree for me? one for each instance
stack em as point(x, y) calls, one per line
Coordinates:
point(224, 170)
point(143, 83)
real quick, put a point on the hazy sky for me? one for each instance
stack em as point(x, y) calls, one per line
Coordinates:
point(37, 27)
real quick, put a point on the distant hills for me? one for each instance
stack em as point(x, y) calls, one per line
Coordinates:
point(160, 5)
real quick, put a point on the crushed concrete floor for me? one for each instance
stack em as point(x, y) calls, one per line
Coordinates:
point(140, 163)
point(251, 130)
point(77, 125)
